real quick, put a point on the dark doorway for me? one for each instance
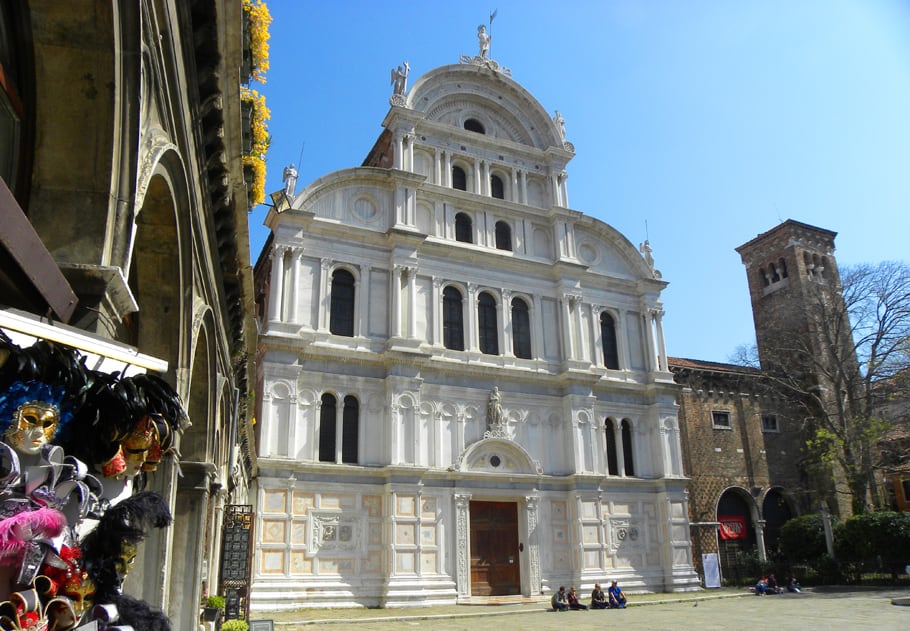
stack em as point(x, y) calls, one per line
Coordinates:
point(495, 569)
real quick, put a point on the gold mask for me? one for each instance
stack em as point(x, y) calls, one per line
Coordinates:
point(33, 427)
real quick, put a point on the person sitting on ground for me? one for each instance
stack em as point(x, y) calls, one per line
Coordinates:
point(598, 599)
point(559, 601)
point(773, 587)
point(793, 585)
point(617, 598)
point(574, 603)
point(761, 587)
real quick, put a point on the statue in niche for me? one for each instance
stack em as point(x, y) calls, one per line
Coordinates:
point(494, 408)
point(400, 79)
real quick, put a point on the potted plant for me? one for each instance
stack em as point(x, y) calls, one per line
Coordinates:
point(212, 606)
point(235, 625)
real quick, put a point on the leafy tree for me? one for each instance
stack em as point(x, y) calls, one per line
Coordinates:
point(839, 353)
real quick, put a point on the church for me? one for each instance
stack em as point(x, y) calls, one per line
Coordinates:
point(463, 384)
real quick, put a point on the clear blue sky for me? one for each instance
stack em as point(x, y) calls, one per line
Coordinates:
point(711, 120)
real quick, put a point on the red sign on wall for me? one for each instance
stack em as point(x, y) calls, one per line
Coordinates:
point(732, 526)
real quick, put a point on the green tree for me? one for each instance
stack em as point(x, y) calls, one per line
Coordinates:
point(802, 539)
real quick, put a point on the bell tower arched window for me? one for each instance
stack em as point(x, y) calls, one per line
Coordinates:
point(464, 228)
point(608, 340)
point(342, 304)
point(452, 319)
point(521, 329)
point(488, 330)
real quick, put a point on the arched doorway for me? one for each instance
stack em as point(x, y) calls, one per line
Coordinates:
point(775, 511)
point(736, 533)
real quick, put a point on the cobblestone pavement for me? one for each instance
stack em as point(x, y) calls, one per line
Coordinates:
point(830, 609)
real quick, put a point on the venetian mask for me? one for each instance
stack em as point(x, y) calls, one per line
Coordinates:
point(137, 445)
point(33, 427)
point(126, 559)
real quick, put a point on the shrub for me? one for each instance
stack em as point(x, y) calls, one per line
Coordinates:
point(802, 539)
point(865, 539)
point(213, 602)
point(235, 625)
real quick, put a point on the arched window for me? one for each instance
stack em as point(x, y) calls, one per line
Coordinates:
point(349, 429)
point(472, 124)
point(342, 309)
point(783, 268)
point(464, 228)
point(627, 448)
point(608, 340)
point(503, 236)
point(521, 329)
point(612, 461)
point(459, 179)
point(486, 324)
point(497, 189)
point(327, 413)
point(764, 277)
point(452, 319)
point(775, 277)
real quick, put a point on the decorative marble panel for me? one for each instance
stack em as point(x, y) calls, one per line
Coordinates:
point(677, 510)
point(372, 563)
point(592, 559)
point(273, 531)
point(405, 505)
point(404, 562)
point(590, 534)
point(559, 535)
point(428, 562)
point(331, 533)
point(298, 532)
point(558, 509)
point(626, 535)
point(372, 504)
point(404, 534)
point(303, 502)
point(275, 501)
point(300, 564)
point(272, 562)
point(622, 508)
point(329, 501)
point(428, 535)
point(589, 509)
point(428, 507)
point(375, 534)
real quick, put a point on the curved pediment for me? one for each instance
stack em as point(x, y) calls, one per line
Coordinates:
point(497, 455)
point(453, 94)
point(606, 251)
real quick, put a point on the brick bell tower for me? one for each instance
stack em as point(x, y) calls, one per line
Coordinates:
point(794, 283)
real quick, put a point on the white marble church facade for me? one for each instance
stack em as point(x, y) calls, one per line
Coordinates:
point(463, 383)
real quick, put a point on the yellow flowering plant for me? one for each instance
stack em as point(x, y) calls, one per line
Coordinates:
point(259, 20)
point(255, 159)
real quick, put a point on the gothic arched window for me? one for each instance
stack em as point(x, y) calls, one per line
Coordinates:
point(608, 340)
point(464, 228)
point(503, 236)
point(487, 328)
point(627, 448)
point(349, 429)
point(612, 461)
point(327, 412)
point(342, 304)
point(459, 179)
point(497, 189)
point(521, 329)
point(452, 319)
